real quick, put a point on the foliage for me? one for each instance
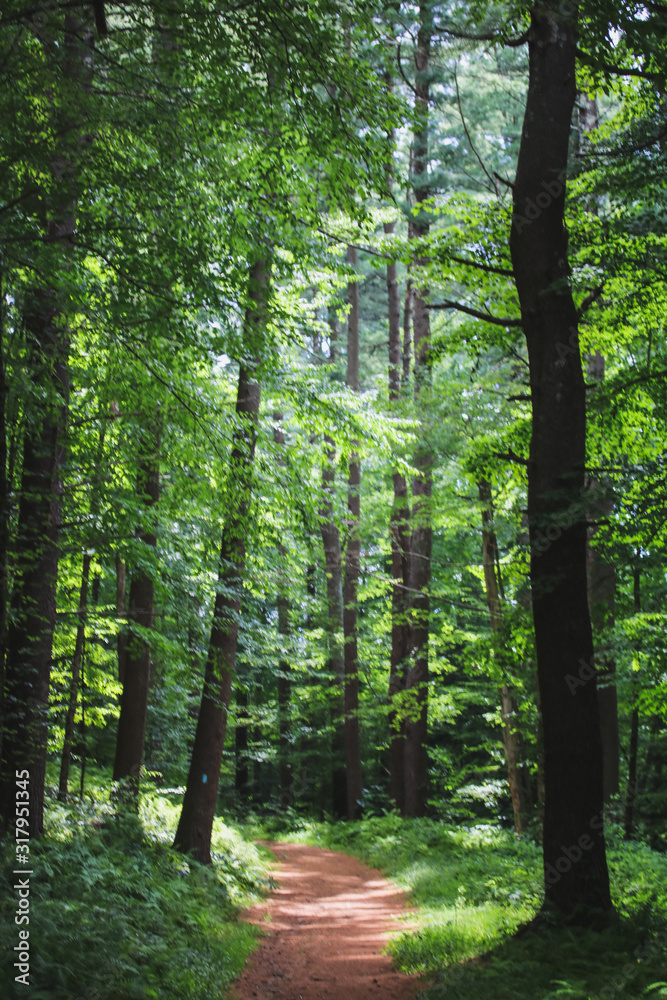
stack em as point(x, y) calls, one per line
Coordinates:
point(115, 912)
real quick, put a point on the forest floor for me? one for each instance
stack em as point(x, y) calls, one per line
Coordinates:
point(326, 923)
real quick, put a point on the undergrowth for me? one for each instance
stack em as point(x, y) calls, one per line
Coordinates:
point(116, 914)
point(476, 887)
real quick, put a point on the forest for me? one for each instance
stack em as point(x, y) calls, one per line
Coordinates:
point(332, 485)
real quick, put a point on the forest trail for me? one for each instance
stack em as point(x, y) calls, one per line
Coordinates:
point(327, 923)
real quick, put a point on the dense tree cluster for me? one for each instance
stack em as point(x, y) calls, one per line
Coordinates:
point(332, 383)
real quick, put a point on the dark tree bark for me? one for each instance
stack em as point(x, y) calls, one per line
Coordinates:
point(30, 634)
point(196, 821)
point(416, 727)
point(573, 808)
point(137, 653)
point(4, 510)
point(284, 678)
point(32, 621)
point(121, 612)
point(354, 779)
point(508, 707)
point(631, 788)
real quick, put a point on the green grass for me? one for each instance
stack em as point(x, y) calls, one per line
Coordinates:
point(116, 914)
point(475, 887)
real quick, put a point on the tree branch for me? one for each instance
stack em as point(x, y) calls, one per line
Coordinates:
point(489, 268)
point(487, 36)
point(510, 456)
point(588, 301)
point(477, 314)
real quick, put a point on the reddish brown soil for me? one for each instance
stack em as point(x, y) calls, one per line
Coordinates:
point(326, 925)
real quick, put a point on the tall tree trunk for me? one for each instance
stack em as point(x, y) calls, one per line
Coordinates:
point(4, 509)
point(121, 612)
point(333, 571)
point(508, 707)
point(30, 634)
point(313, 774)
point(284, 704)
point(351, 580)
point(399, 526)
point(284, 679)
point(77, 658)
point(601, 602)
point(407, 334)
point(575, 866)
point(79, 643)
point(196, 821)
point(416, 728)
point(134, 698)
point(631, 788)
point(241, 769)
point(601, 573)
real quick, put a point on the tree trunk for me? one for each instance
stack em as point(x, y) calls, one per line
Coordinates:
point(508, 707)
point(399, 527)
point(284, 704)
point(601, 574)
point(241, 770)
point(601, 602)
point(79, 644)
point(631, 789)
point(4, 510)
point(284, 679)
point(416, 727)
point(137, 654)
point(575, 867)
point(32, 621)
point(121, 611)
point(30, 634)
point(196, 821)
point(354, 780)
point(333, 571)
point(313, 741)
point(407, 335)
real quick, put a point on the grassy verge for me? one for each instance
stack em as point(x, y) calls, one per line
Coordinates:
point(475, 887)
point(116, 914)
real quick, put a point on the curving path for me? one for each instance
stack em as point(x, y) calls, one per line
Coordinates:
point(327, 923)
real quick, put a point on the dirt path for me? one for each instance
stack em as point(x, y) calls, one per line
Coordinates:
point(327, 923)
